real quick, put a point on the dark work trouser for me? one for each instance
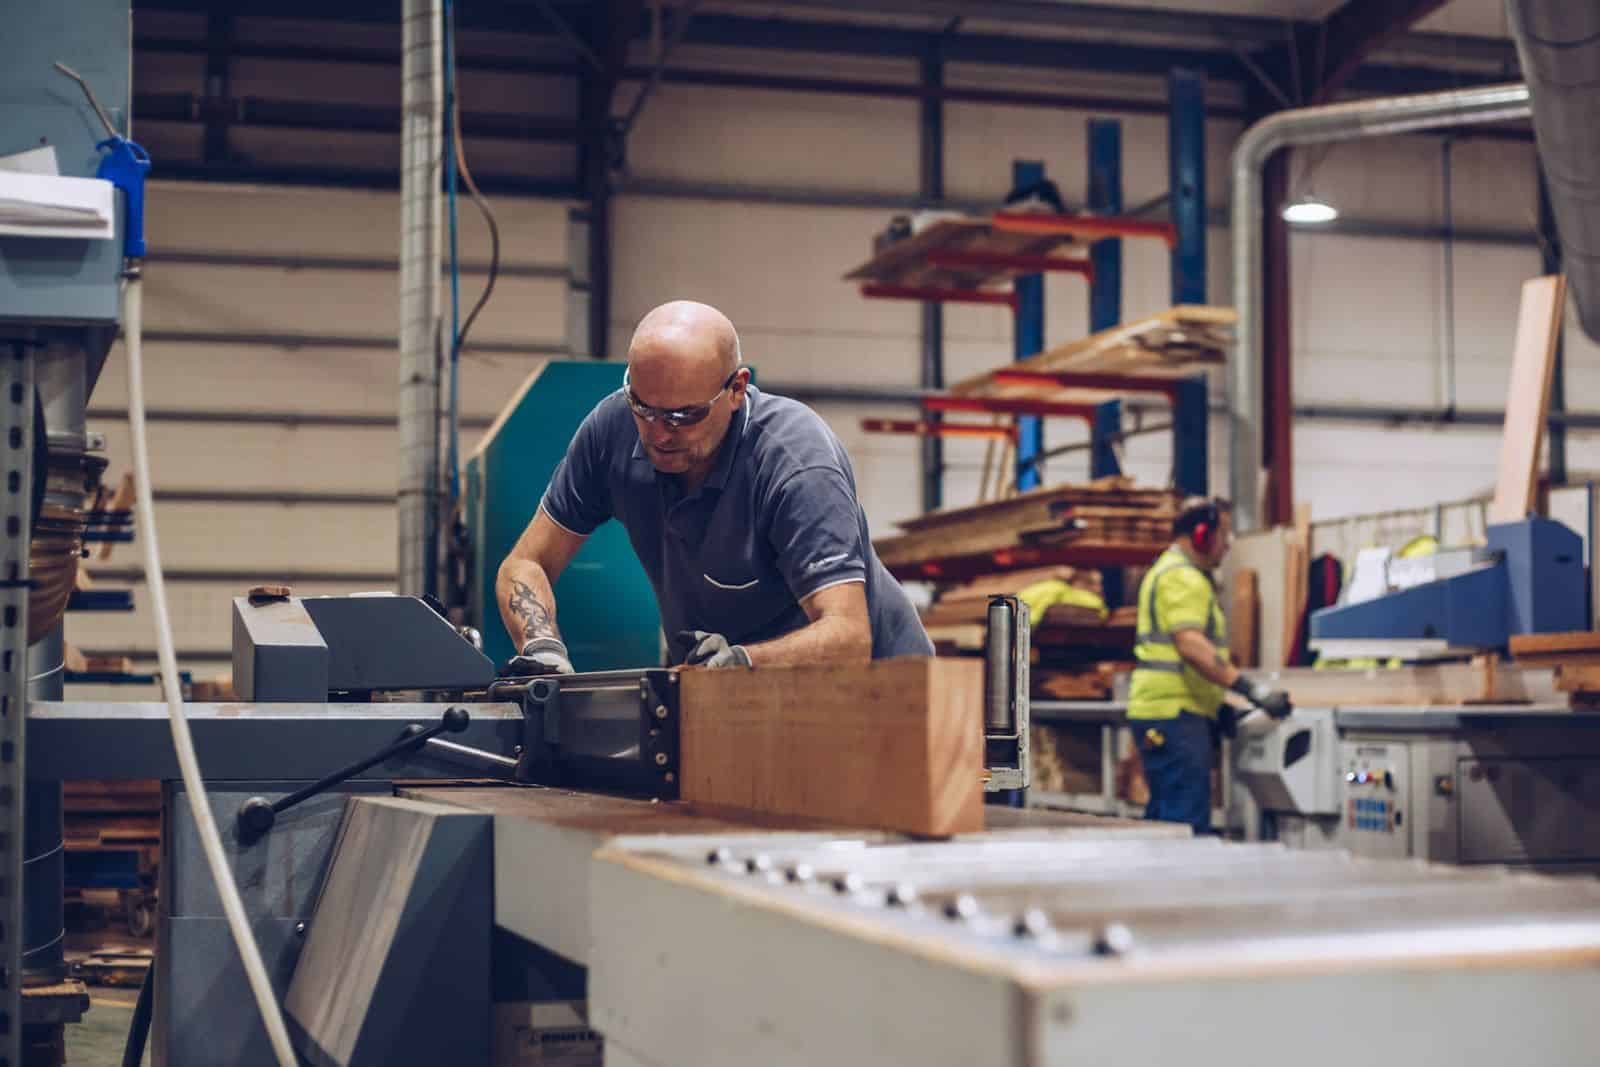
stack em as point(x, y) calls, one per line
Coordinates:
point(1176, 754)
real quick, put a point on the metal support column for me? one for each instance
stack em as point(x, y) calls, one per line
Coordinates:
point(1105, 309)
point(421, 251)
point(1191, 438)
point(219, 51)
point(932, 191)
point(1028, 336)
point(1186, 162)
point(595, 156)
point(1277, 361)
point(16, 433)
point(1105, 198)
point(1550, 257)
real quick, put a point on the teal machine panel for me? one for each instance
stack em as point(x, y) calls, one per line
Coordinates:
point(605, 605)
point(62, 280)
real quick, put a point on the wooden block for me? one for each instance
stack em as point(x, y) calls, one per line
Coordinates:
point(1244, 618)
point(1576, 642)
point(889, 745)
point(1527, 403)
point(1578, 679)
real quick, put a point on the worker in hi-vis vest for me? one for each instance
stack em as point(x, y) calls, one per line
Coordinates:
point(1182, 669)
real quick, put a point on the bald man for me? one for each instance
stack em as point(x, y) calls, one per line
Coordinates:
point(741, 505)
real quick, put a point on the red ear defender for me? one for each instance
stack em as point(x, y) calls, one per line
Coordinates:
point(1201, 536)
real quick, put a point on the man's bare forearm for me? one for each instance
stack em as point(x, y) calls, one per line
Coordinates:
point(527, 603)
point(1198, 651)
point(830, 639)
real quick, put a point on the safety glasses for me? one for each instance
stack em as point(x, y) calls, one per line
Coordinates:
point(677, 418)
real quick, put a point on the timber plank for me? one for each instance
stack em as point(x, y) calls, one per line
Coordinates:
point(1571, 643)
point(907, 260)
point(1419, 685)
point(1175, 343)
point(1244, 620)
point(891, 745)
point(1527, 403)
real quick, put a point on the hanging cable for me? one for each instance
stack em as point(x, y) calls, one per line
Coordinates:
point(452, 121)
point(457, 166)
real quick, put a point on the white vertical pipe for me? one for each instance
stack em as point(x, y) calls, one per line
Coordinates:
point(1310, 125)
point(421, 167)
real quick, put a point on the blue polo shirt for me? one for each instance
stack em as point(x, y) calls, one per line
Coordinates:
point(776, 521)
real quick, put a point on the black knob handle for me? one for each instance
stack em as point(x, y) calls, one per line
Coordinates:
point(257, 815)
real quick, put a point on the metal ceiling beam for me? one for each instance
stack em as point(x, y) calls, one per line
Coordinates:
point(1223, 32)
point(1216, 58)
point(1352, 34)
point(1218, 31)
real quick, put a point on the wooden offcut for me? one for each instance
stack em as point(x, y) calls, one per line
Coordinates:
point(890, 745)
point(1528, 401)
point(1244, 618)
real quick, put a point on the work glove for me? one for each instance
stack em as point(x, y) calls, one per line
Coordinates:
point(1227, 721)
point(711, 650)
point(541, 655)
point(1275, 702)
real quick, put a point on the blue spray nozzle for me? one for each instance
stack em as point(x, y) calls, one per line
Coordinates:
point(125, 165)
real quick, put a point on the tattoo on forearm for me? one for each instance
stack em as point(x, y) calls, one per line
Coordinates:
point(536, 621)
point(1222, 660)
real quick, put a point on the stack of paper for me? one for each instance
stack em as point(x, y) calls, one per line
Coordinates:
point(48, 205)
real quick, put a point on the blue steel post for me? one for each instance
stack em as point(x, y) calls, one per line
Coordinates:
point(1105, 287)
point(1105, 308)
point(1186, 159)
point(1191, 441)
point(932, 191)
point(1029, 339)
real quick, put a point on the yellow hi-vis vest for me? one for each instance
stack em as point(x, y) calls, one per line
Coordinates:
point(1175, 595)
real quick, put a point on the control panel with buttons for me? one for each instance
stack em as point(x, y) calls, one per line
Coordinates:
point(1375, 800)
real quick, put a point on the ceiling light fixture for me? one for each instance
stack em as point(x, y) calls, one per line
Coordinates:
point(1310, 210)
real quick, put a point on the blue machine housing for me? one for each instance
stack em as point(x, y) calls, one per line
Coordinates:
point(1538, 585)
point(606, 607)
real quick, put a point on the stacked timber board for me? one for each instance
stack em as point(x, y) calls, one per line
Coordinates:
point(909, 261)
point(1175, 343)
point(1106, 523)
point(1077, 650)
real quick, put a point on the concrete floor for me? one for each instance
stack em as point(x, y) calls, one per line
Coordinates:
point(98, 1040)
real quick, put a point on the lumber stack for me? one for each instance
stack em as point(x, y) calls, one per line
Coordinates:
point(1102, 523)
point(1175, 343)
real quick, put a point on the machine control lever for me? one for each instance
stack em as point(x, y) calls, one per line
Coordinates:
point(257, 814)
